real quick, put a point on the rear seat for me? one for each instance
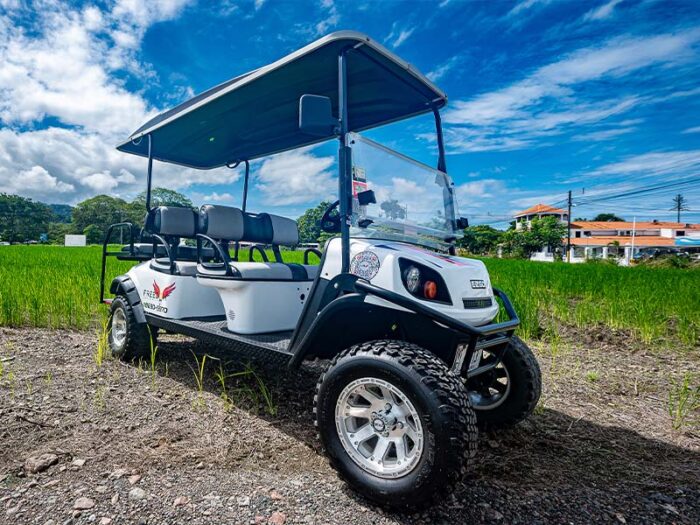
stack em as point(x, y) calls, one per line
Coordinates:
point(225, 224)
point(173, 223)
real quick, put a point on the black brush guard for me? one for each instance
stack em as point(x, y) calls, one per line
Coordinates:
point(494, 335)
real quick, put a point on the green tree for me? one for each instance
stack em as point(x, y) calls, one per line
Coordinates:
point(100, 211)
point(62, 212)
point(58, 231)
point(607, 217)
point(309, 223)
point(163, 197)
point(22, 219)
point(543, 231)
point(480, 239)
point(93, 234)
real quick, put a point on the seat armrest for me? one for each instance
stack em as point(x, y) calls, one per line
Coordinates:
point(223, 255)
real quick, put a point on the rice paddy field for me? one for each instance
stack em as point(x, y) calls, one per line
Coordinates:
point(58, 287)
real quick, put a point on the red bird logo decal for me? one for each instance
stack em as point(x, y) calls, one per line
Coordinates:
point(165, 292)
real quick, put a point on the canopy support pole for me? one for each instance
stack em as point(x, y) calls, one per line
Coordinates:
point(344, 163)
point(442, 162)
point(149, 178)
point(245, 184)
point(245, 200)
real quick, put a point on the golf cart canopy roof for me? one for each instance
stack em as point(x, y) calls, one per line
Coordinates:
point(257, 113)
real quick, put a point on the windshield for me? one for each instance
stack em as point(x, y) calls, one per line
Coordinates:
point(414, 202)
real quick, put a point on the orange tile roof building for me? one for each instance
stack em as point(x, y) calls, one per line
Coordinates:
point(524, 218)
point(622, 239)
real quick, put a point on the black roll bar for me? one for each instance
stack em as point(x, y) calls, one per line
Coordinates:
point(149, 177)
point(106, 253)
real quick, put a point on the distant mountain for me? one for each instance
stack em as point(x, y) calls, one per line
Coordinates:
point(62, 212)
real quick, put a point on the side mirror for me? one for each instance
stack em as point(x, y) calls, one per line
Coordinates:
point(316, 116)
point(366, 197)
point(462, 223)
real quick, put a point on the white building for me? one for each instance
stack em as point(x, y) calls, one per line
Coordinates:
point(620, 239)
point(524, 218)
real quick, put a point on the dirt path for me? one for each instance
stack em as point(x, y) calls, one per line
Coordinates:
point(132, 446)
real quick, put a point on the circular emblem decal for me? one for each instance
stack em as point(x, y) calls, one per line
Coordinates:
point(365, 265)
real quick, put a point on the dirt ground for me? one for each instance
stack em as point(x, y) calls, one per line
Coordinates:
point(129, 445)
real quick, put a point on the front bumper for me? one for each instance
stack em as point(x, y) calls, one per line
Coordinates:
point(475, 338)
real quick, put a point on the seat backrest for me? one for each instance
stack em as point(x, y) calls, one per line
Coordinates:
point(231, 224)
point(172, 221)
point(224, 223)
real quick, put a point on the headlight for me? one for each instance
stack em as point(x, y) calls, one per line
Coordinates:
point(413, 279)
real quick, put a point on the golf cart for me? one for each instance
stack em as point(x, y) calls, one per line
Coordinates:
point(417, 359)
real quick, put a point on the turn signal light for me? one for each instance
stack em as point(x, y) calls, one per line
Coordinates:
point(430, 290)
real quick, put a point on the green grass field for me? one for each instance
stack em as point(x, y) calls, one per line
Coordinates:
point(59, 287)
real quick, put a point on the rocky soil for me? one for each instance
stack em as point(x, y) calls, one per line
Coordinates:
point(131, 443)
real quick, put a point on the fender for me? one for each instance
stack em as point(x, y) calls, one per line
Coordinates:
point(346, 301)
point(123, 285)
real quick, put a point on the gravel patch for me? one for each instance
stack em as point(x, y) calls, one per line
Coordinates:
point(122, 443)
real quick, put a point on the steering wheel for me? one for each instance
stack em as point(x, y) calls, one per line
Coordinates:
point(330, 222)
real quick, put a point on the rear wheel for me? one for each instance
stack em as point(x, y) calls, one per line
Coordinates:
point(395, 423)
point(128, 339)
point(508, 393)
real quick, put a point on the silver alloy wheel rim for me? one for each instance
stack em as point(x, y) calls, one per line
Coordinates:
point(379, 428)
point(496, 396)
point(119, 327)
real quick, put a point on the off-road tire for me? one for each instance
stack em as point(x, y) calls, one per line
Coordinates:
point(449, 423)
point(139, 338)
point(525, 389)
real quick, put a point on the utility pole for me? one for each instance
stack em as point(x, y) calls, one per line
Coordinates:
point(568, 231)
point(679, 206)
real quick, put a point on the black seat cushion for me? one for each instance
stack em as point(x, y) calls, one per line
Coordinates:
point(257, 271)
point(144, 251)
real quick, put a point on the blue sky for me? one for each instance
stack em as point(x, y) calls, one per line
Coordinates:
point(546, 96)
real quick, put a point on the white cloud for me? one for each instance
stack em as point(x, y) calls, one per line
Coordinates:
point(258, 4)
point(602, 12)
point(38, 181)
point(295, 177)
point(653, 164)
point(65, 66)
point(552, 99)
point(605, 134)
point(332, 17)
point(436, 74)
point(695, 129)
point(526, 5)
point(80, 164)
point(218, 197)
point(398, 35)
point(616, 58)
point(62, 66)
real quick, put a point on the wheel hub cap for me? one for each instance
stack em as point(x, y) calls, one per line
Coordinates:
point(119, 327)
point(379, 428)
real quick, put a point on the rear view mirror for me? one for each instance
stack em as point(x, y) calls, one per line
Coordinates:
point(462, 223)
point(316, 116)
point(366, 197)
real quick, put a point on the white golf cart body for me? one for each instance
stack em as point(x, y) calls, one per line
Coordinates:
point(408, 326)
point(359, 290)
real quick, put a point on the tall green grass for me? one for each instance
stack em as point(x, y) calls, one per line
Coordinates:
point(648, 302)
point(58, 287)
point(52, 286)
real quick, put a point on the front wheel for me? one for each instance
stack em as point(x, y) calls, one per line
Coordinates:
point(395, 423)
point(128, 339)
point(508, 393)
